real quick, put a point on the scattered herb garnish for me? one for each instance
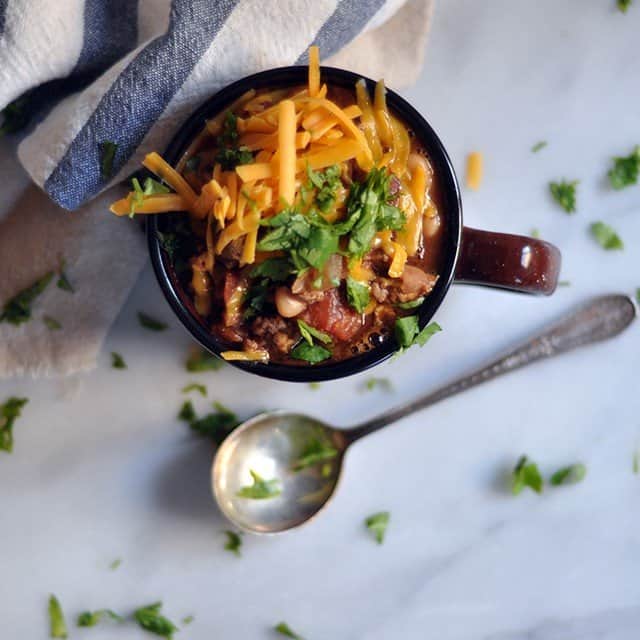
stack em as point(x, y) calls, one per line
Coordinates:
point(187, 620)
point(115, 564)
point(233, 543)
point(310, 353)
point(407, 332)
point(382, 383)
point(285, 630)
point(357, 294)
point(625, 170)
point(636, 462)
point(63, 281)
point(326, 183)
point(571, 474)
point(151, 187)
point(309, 333)
point(535, 233)
point(526, 474)
point(18, 309)
point(91, 618)
point(15, 116)
point(117, 361)
point(216, 425)
point(538, 146)
point(606, 236)
point(57, 623)
point(564, 283)
point(195, 386)
point(316, 450)
point(314, 386)
point(9, 412)
point(51, 323)
point(107, 154)
point(412, 304)
point(377, 524)
point(150, 323)
point(150, 619)
point(623, 5)
point(201, 360)
point(564, 193)
point(229, 155)
point(638, 295)
point(187, 412)
point(261, 489)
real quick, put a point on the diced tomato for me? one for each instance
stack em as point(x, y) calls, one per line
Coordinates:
point(333, 316)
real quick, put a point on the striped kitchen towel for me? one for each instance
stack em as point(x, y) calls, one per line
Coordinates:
point(129, 71)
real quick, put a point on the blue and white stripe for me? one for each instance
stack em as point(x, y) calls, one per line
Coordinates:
point(148, 63)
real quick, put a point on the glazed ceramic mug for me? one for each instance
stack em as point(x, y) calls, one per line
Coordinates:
point(513, 262)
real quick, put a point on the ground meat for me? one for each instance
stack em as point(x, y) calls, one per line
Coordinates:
point(379, 292)
point(277, 329)
point(413, 284)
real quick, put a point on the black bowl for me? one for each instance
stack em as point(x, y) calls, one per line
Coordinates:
point(451, 204)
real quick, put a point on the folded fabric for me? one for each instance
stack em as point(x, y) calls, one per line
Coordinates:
point(129, 72)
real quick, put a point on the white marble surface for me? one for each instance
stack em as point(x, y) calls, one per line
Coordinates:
point(101, 469)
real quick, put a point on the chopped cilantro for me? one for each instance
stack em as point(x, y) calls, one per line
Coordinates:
point(377, 524)
point(314, 386)
point(309, 333)
point(229, 135)
point(538, 146)
point(315, 451)
point(229, 159)
point(150, 323)
point(115, 564)
point(357, 294)
point(201, 360)
point(407, 332)
point(187, 620)
point(638, 295)
point(63, 281)
point(285, 630)
point(606, 237)
point(229, 155)
point(16, 116)
point(107, 155)
point(91, 618)
point(564, 283)
point(382, 383)
point(623, 5)
point(57, 623)
point(187, 413)
point(117, 361)
point(276, 269)
point(564, 193)
point(233, 543)
point(636, 462)
point(18, 309)
point(535, 233)
point(412, 304)
point(571, 474)
point(326, 183)
point(216, 425)
point(195, 386)
point(9, 412)
point(310, 353)
point(51, 323)
point(526, 474)
point(261, 489)
point(150, 619)
point(151, 187)
point(625, 170)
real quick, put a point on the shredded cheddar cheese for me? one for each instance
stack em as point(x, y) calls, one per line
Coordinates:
point(475, 170)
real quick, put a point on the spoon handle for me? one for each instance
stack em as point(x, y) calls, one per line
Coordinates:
point(601, 318)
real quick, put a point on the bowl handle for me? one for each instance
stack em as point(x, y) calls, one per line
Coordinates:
point(507, 261)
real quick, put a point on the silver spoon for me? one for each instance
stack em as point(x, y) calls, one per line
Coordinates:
point(271, 444)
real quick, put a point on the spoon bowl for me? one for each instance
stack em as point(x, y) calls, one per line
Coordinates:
point(278, 445)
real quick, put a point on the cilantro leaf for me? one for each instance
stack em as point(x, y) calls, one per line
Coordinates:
point(625, 170)
point(63, 281)
point(564, 193)
point(195, 386)
point(117, 361)
point(229, 159)
point(423, 336)
point(285, 630)
point(91, 618)
point(233, 543)
point(51, 323)
point(526, 474)
point(377, 524)
point(357, 294)
point(538, 146)
point(623, 5)
point(326, 183)
point(201, 360)
point(150, 323)
point(636, 462)
point(314, 386)
point(315, 451)
point(261, 489)
point(153, 187)
point(9, 412)
point(115, 564)
point(407, 332)
point(187, 620)
point(15, 115)
point(310, 353)
point(309, 333)
point(382, 383)
point(535, 233)
point(216, 425)
point(229, 135)
point(571, 474)
point(150, 619)
point(276, 269)
point(18, 309)
point(638, 295)
point(57, 623)
point(187, 412)
point(606, 237)
point(412, 304)
point(107, 155)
